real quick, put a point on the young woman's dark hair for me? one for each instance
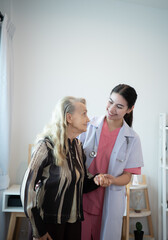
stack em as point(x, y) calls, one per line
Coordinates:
point(130, 95)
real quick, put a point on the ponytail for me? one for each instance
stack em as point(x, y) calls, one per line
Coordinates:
point(129, 118)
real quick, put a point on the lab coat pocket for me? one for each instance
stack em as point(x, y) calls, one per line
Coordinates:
point(121, 156)
point(121, 160)
point(120, 164)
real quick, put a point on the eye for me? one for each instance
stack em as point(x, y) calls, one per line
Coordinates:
point(110, 101)
point(119, 107)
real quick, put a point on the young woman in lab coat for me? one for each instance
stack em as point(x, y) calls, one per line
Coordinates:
point(111, 146)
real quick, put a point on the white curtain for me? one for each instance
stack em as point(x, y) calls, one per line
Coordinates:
point(6, 86)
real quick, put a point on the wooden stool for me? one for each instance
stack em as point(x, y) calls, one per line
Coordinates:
point(125, 226)
point(14, 225)
point(130, 213)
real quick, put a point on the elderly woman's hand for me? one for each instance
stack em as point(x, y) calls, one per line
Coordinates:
point(104, 180)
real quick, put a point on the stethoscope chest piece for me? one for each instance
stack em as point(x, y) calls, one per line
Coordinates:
point(93, 154)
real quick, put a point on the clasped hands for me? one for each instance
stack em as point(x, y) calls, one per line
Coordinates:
point(104, 180)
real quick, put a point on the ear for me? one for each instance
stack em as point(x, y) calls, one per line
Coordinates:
point(69, 118)
point(130, 109)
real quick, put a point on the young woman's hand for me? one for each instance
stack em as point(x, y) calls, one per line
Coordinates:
point(45, 237)
point(104, 180)
point(110, 179)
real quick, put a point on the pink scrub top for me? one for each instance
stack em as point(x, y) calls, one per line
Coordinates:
point(93, 201)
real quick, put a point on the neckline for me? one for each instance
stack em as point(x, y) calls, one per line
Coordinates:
point(71, 142)
point(107, 127)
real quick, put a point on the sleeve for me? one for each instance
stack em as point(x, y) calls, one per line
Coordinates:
point(136, 171)
point(89, 184)
point(29, 190)
point(135, 157)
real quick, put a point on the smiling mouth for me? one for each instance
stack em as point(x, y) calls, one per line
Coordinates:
point(112, 115)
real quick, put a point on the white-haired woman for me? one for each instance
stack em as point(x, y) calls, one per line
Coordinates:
point(56, 178)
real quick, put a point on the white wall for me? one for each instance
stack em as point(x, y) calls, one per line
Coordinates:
point(5, 7)
point(85, 48)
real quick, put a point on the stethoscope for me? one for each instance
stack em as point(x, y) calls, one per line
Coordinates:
point(93, 153)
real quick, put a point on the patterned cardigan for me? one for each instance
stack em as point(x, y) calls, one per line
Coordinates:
point(53, 194)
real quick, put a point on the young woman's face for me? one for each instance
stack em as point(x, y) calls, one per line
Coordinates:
point(79, 118)
point(117, 107)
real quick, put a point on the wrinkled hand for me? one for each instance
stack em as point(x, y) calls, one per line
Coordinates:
point(104, 180)
point(109, 178)
point(45, 237)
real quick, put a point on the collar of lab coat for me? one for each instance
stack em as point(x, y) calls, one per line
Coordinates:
point(125, 129)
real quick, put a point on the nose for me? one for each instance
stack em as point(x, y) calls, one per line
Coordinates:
point(88, 120)
point(112, 108)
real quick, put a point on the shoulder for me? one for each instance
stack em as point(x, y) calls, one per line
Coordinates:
point(49, 143)
point(96, 121)
point(134, 139)
point(44, 144)
point(40, 152)
point(129, 131)
point(39, 147)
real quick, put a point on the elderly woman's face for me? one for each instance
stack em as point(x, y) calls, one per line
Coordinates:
point(79, 118)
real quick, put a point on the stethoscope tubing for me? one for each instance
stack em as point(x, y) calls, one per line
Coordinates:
point(93, 153)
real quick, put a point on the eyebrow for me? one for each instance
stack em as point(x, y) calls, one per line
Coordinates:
point(116, 103)
point(82, 110)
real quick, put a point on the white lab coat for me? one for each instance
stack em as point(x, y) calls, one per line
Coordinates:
point(126, 153)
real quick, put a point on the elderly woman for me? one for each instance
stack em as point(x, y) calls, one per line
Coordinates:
point(56, 178)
